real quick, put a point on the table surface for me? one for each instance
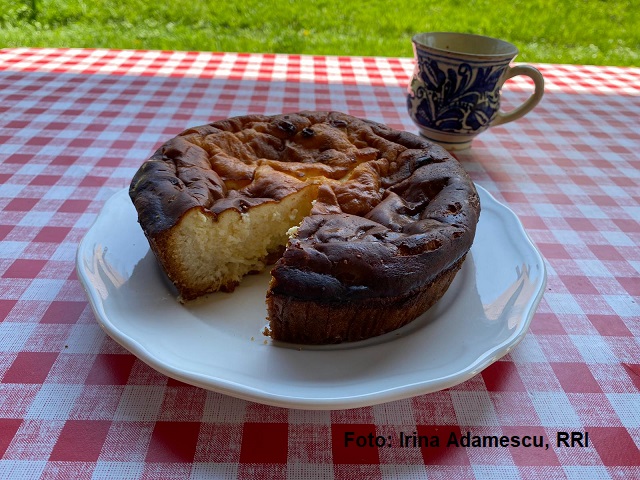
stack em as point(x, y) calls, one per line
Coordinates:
point(74, 126)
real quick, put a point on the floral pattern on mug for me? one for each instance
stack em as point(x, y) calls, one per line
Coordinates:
point(460, 100)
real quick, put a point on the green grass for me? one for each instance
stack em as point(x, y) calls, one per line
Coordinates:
point(600, 32)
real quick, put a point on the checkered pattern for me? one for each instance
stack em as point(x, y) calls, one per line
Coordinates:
point(76, 124)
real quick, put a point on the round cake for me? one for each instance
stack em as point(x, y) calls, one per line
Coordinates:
point(367, 225)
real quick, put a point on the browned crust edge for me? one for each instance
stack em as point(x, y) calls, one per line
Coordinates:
point(294, 320)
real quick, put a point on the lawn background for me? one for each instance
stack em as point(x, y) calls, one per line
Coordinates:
point(599, 32)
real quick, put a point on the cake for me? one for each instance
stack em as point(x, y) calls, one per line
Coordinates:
point(367, 225)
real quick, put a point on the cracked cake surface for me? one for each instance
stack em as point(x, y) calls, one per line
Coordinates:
point(367, 224)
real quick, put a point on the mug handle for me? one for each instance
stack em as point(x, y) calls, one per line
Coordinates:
point(538, 82)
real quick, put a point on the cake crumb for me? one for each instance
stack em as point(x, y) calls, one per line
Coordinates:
point(292, 231)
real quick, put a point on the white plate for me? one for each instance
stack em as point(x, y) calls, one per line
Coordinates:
point(217, 342)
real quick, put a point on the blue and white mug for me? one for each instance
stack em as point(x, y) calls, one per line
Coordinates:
point(454, 92)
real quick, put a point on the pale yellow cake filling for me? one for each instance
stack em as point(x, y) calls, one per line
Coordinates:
point(215, 253)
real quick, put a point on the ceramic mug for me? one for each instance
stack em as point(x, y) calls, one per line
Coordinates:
point(454, 92)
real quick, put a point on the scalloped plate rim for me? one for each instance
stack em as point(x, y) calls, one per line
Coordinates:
point(100, 299)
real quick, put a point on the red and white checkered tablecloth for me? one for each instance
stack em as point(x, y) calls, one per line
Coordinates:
point(74, 126)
